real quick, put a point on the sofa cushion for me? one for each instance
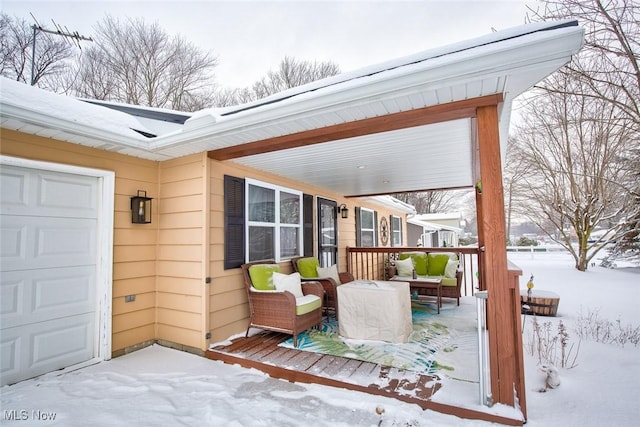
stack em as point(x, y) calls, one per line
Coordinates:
point(262, 276)
point(419, 261)
point(288, 282)
point(307, 304)
point(451, 268)
point(448, 281)
point(436, 264)
point(404, 267)
point(307, 267)
point(331, 272)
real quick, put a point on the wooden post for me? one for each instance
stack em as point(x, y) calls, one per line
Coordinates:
point(505, 379)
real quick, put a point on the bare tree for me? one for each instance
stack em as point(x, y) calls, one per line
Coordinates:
point(609, 69)
point(291, 73)
point(572, 147)
point(228, 97)
point(515, 170)
point(16, 50)
point(139, 63)
point(430, 201)
point(609, 64)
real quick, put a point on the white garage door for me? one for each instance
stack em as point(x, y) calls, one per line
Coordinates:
point(48, 302)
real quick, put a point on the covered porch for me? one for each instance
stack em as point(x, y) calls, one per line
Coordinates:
point(435, 121)
point(456, 392)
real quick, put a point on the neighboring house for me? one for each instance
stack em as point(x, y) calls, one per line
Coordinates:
point(81, 282)
point(434, 230)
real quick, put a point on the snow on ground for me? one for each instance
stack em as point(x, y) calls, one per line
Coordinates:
point(160, 386)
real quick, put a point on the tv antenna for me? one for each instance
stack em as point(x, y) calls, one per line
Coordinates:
point(70, 37)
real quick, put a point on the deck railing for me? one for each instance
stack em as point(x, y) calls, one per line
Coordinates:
point(372, 263)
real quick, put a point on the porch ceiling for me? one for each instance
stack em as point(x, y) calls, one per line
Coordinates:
point(418, 158)
point(404, 125)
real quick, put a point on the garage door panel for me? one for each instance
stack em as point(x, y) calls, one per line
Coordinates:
point(42, 193)
point(31, 243)
point(14, 186)
point(65, 193)
point(72, 337)
point(10, 350)
point(12, 294)
point(34, 349)
point(14, 241)
point(38, 295)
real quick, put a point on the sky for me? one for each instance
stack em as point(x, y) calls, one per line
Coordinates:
point(250, 38)
point(158, 386)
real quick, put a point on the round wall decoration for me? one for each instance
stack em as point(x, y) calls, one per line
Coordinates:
point(384, 231)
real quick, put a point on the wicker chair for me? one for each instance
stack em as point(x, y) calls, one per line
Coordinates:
point(329, 285)
point(276, 311)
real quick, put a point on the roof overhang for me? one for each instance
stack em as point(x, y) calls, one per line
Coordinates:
point(405, 125)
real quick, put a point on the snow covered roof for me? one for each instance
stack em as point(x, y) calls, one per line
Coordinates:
point(393, 203)
point(432, 226)
point(431, 156)
point(439, 216)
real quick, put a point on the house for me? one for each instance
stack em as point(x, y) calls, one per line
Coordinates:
point(242, 183)
point(434, 230)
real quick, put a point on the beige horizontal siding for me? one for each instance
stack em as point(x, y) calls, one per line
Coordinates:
point(181, 252)
point(134, 266)
point(229, 310)
point(132, 337)
point(180, 335)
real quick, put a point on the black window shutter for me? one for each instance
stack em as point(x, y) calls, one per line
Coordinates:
point(358, 228)
point(307, 221)
point(234, 241)
point(375, 228)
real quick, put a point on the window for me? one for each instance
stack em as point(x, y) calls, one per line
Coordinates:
point(366, 220)
point(396, 230)
point(274, 221)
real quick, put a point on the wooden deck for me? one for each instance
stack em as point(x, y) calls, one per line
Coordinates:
point(262, 352)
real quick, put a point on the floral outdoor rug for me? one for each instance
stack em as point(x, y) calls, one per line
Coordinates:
point(440, 344)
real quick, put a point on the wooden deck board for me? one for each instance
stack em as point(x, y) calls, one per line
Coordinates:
point(262, 352)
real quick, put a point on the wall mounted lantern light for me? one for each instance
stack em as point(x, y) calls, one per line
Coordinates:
point(344, 211)
point(141, 208)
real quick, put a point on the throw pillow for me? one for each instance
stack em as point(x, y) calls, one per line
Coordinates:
point(331, 272)
point(261, 276)
point(437, 263)
point(404, 267)
point(307, 267)
point(288, 282)
point(419, 261)
point(451, 268)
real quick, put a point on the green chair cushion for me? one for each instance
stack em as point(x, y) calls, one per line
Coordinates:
point(448, 281)
point(308, 267)
point(419, 261)
point(307, 304)
point(436, 264)
point(262, 276)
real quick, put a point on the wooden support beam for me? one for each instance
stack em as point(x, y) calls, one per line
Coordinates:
point(404, 119)
point(502, 320)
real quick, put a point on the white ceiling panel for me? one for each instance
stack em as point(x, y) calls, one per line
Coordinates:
point(419, 158)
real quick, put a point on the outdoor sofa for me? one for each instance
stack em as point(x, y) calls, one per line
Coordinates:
point(430, 265)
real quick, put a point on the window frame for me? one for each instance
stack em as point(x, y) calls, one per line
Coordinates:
point(361, 229)
point(277, 225)
point(395, 232)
